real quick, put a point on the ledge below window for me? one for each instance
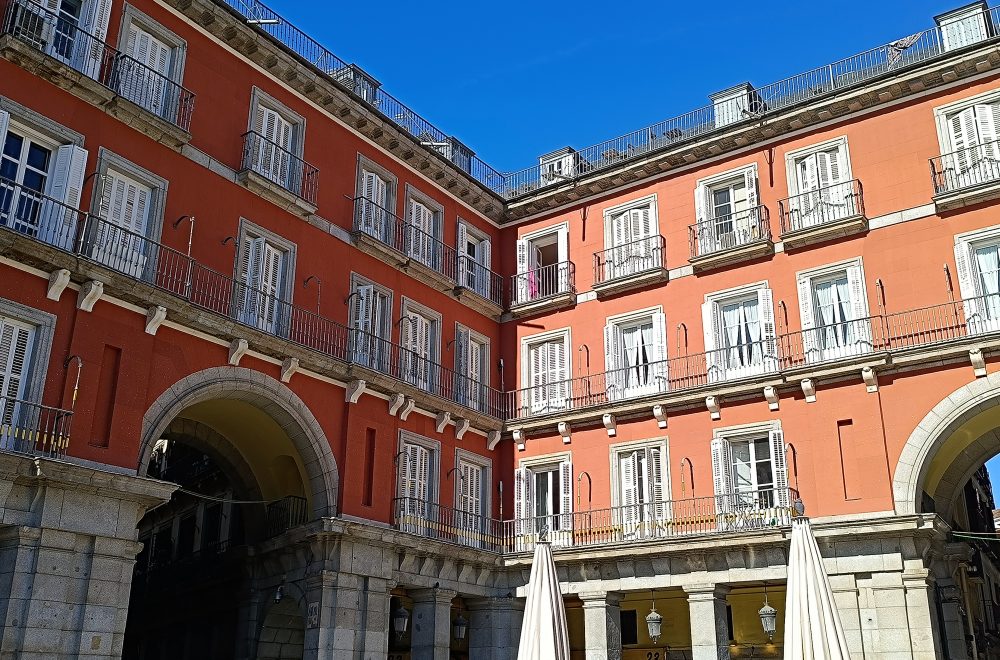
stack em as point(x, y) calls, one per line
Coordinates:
point(547, 304)
point(968, 196)
point(636, 281)
point(823, 232)
point(275, 193)
point(720, 258)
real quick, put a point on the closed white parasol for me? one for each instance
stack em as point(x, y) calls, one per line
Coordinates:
point(544, 635)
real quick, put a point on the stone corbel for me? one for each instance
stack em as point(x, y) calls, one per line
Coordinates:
point(155, 316)
point(408, 407)
point(441, 421)
point(396, 403)
point(809, 389)
point(58, 281)
point(89, 294)
point(610, 423)
point(660, 413)
point(712, 403)
point(237, 349)
point(492, 440)
point(978, 362)
point(461, 427)
point(565, 430)
point(519, 439)
point(771, 394)
point(355, 389)
point(870, 378)
point(288, 368)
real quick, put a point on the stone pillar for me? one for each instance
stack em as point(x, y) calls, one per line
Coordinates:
point(67, 552)
point(921, 615)
point(494, 627)
point(332, 618)
point(709, 633)
point(602, 625)
point(374, 640)
point(431, 624)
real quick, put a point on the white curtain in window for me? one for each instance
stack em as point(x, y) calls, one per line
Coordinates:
point(751, 350)
point(988, 261)
point(824, 297)
point(646, 354)
point(732, 316)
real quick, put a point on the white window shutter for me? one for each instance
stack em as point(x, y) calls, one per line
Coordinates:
point(95, 21)
point(722, 474)
point(750, 182)
point(523, 249)
point(969, 284)
point(423, 474)
point(363, 307)
point(963, 134)
point(654, 479)
point(566, 496)
point(614, 363)
point(558, 373)
point(628, 475)
point(563, 247)
point(487, 252)
point(700, 203)
point(4, 126)
point(778, 463)
point(538, 361)
point(712, 329)
point(463, 238)
point(986, 122)
point(856, 285)
point(15, 349)
point(68, 173)
point(808, 174)
point(807, 313)
point(768, 331)
point(522, 500)
point(659, 367)
point(462, 359)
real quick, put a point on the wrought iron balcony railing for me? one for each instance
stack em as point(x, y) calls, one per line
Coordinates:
point(434, 521)
point(823, 206)
point(34, 429)
point(404, 238)
point(29, 212)
point(543, 283)
point(975, 166)
point(634, 258)
point(729, 232)
point(280, 166)
point(285, 514)
point(474, 276)
point(60, 38)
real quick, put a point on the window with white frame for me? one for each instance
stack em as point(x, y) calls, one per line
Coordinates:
point(543, 268)
point(833, 305)
point(68, 30)
point(275, 141)
point(820, 185)
point(543, 498)
point(635, 353)
point(417, 479)
point(728, 211)
point(631, 240)
point(475, 257)
point(25, 344)
point(740, 333)
point(41, 182)
point(639, 473)
point(422, 229)
point(16, 339)
point(750, 475)
point(545, 372)
point(968, 132)
point(376, 190)
point(420, 335)
point(370, 320)
point(471, 359)
point(472, 497)
point(264, 270)
point(154, 60)
point(964, 26)
point(977, 260)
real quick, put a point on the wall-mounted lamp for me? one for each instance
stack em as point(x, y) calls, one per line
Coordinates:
point(784, 314)
point(319, 289)
point(590, 489)
point(691, 471)
point(459, 627)
point(79, 369)
point(948, 284)
point(279, 594)
point(682, 332)
point(227, 240)
point(400, 620)
point(654, 621)
point(190, 219)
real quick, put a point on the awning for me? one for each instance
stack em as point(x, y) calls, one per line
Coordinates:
point(813, 630)
point(544, 635)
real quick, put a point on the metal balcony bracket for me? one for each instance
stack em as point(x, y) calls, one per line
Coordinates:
point(461, 427)
point(871, 379)
point(155, 316)
point(978, 362)
point(288, 368)
point(565, 430)
point(396, 403)
point(58, 281)
point(355, 389)
point(809, 389)
point(492, 440)
point(660, 413)
point(237, 349)
point(771, 394)
point(610, 423)
point(407, 408)
point(441, 421)
point(519, 439)
point(89, 294)
point(712, 403)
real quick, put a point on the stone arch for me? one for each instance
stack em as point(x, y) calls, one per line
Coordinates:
point(933, 432)
point(266, 394)
point(220, 449)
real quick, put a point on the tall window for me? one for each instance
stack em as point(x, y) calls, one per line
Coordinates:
point(145, 74)
point(543, 500)
point(750, 475)
point(15, 349)
point(972, 139)
point(740, 336)
point(420, 334)
point(821, 185)
point(371, 310)
point(471, 355)
point(417, 478)
point(375, 217)
point(546, 374)
point(641, 488)
point(472, 498)
point(421, 230)
point(977, 256)
point(834, 310)
point(120, 240)
point(260, 284)
point(727, 210)
point(475, 260)
point(543, 268)
point(635, 355)
point(631, 240)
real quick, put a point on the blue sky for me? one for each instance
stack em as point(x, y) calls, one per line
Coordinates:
point(516, 79)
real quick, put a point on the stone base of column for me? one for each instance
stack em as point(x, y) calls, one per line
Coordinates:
point(602, 626)
point(709, 632)
point(67, 551)
point(494, 627)
point(431, 624)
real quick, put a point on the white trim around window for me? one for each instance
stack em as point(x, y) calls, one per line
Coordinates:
point(614, 456)
point(178, 46)
point(791, 157)
point(943, 113)
point(484, 462)
point(649, 202)
point(434, 448)
point(566, 334)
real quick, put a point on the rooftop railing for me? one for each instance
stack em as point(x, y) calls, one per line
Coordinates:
point(280, 166)
point(34, 429)
point(59, 38)
point(822, 206)
point(971, 167)
point(729, 231)
point(374, 221)
point(631, 259)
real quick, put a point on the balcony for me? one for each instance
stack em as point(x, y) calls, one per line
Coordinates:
point(823, 215)
point(765, 510)
point(285, 514)
point(383, 234)
point(730, 239)
point(38, 40)
point(967, 176)
point(485, 287)
point(278, 175)
point(631, 266)
point(34, 429)
point(544, 288)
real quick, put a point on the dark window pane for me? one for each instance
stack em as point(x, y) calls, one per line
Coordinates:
point(12, 147)
point(38, 157)
point(629, 627)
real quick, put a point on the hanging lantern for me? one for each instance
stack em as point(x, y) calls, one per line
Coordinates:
point(459, 628)
point(400, 619)
point(768, 619)
point(654, 623)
